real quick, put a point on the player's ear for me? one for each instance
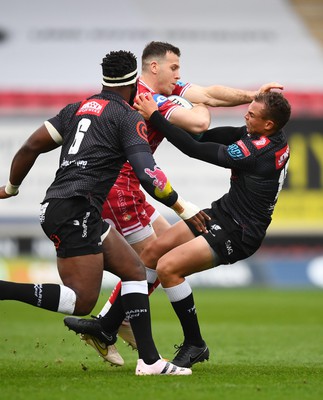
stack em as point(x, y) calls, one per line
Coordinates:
point(270, 125)
point(154, 67)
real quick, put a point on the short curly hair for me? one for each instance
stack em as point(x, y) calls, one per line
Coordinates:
point(119, 68)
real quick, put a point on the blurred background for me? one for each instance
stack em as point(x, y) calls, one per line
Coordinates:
point(50, 55)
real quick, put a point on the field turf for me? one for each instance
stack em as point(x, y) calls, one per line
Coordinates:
point(264, 343)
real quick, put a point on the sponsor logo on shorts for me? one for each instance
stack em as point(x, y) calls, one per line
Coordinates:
point(228, 246)
point(126, 217)
point(42, 212)
point(84, 224)
point(214, 228)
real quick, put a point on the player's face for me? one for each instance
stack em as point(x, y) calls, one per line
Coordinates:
point(167, 74)
point(255, 121)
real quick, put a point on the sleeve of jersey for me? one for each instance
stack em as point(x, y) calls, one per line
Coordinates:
point(138, 153)
point(211, 152)
point(56, 125)
point(53, 126)
point(223, 135)
point(151, 177)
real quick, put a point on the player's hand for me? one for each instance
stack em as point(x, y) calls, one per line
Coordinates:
point(267, 87)
point(199, 221)
point(145, 105)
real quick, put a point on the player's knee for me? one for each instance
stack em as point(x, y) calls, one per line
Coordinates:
point(133, 270)
point(165, 268)
point(149, 255)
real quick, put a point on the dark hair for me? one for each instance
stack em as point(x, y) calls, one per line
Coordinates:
point(118, 64)
point(158, 50)
point(277, 108)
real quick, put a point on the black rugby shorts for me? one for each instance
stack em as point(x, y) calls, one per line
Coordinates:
point(73, 225)
point(225, 238)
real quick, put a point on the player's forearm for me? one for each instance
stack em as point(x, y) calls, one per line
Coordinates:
point(21, 165)
point(151, 177)
point(156, 183)
point(177, 136)
point(195, 120)
point(223, 96)
point(202, 151)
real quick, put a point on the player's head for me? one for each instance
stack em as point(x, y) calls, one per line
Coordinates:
point(160, 66)
point(119, 68)
point(275, 108)
point(158, 50)
point(268, 113)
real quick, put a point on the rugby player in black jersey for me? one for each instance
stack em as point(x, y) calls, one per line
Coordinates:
point(258, 155)
point(96, 137)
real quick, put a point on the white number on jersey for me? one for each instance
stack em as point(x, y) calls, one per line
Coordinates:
point(82, 128)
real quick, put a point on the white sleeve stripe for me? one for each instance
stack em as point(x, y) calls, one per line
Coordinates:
point(53, 132)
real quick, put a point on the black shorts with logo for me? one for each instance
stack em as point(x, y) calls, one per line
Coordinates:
point(225, 236)
point(73, 225)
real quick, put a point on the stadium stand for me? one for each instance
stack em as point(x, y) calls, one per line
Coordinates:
point(311, 11)
point(35, 85)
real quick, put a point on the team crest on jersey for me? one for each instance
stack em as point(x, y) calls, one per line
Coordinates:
point(238, 150)
point(141, 128)
point(261, 142)
point(94, 107)
point(281, 156)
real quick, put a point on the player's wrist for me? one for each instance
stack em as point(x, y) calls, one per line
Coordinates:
point(185, 210)
point(154, 115)
point(11, 189)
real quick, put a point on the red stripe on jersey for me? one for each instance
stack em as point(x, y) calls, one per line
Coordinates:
point(281, 156)
point(243, 147)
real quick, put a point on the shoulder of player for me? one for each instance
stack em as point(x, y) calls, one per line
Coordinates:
point(263, 144)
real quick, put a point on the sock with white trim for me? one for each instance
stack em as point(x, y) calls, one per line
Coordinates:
point(132, 302)
point(135, 302)
point(181, 298)
point(50, 296)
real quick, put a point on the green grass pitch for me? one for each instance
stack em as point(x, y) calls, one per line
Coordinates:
point(264, 344)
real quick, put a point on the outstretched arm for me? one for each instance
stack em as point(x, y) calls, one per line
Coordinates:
point(39, 142)
point(223, 96)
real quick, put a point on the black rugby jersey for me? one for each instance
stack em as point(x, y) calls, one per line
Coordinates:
point(258, 164)
point(98, 136)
